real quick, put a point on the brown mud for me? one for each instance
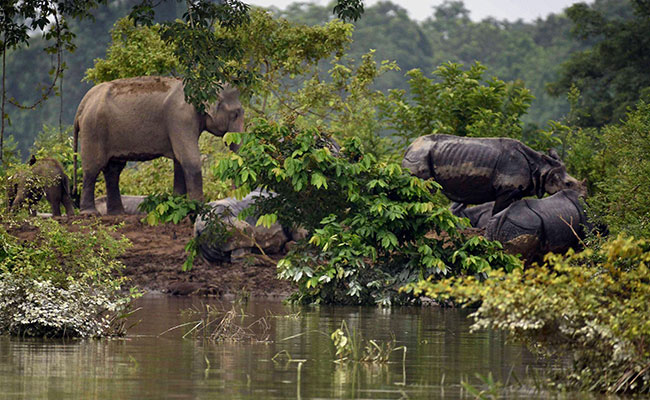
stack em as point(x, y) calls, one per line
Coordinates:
point(155, 258)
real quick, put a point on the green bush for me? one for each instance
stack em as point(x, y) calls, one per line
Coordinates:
point(373, 227)
point(593, 306)
point(164, 207)
point(457, 102)
point(622, 187)
point(61, 282)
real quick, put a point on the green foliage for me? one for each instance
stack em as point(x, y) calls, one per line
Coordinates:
point(157, 176)
point(457, 103)
point(622, 195)
point(134, 51)
point(613, 74)
point(54, 143)
point(346, 102)
point(61, 283)
point(592, 305)
point(287, 59)
point(164, 207)
point(373, 226)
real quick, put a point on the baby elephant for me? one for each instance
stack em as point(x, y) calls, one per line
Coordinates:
point(45, 176)
point(534, 227)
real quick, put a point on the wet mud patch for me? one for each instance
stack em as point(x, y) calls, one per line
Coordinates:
point(155, 258)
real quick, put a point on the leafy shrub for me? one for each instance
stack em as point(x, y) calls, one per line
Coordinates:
point(373, 226)
point(623, 191)
point(168, 208)
point(459, 102)
point(60, 283)
point(592, 305)
point(41, 308)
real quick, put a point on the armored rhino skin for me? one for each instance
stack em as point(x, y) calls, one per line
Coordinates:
point(142, 118)
point(534, 227)
point(480, 170)
point(478, 215)
point(130, 203)
point(271, 240)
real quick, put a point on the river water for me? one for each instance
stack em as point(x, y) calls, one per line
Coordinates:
point(289, 355)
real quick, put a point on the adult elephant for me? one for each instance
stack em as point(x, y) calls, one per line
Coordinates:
point(142, 118)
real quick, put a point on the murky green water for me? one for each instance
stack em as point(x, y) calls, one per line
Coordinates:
point(147, 365)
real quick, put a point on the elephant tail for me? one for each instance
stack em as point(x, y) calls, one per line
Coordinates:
point(75, 145)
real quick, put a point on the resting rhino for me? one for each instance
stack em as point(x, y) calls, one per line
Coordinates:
point(479, 170)
point(271, 240)
point(534, 227)
point(139, 119)
point(478, 215)
point(130, 204)
point(46, 176)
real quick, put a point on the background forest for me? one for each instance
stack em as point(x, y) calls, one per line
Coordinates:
point(530, 54)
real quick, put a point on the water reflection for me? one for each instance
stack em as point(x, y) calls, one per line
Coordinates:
point(147, 365)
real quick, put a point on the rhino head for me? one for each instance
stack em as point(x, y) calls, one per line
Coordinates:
point(558, 179)
point(416, 158)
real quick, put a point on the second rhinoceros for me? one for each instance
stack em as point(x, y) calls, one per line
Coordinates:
point(480, 170)
point(478, 215)
point(534, 227)
point(245, 236)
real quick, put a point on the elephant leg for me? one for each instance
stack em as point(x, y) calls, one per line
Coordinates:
point(53, 196)
point(112, 176)
point(189, 158)
point(179, 179)
point(87, 204)
point(67, 202)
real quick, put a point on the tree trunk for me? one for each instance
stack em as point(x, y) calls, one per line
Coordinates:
point(2, 109)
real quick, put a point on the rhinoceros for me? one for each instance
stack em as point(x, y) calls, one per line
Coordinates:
point(139, 119)
point(245, 236)
point(480, 170)
point(478, 215)
point(534, 227)
point(130, 203)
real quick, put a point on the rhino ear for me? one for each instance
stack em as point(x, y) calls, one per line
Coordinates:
point(553, 154)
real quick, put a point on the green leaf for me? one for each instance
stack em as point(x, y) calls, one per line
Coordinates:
point(318, 180)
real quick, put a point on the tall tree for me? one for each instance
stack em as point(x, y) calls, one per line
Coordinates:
point(203, 59)
point(613, 74)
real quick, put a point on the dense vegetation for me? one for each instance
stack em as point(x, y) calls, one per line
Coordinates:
point(376, 234)
point(530, 53)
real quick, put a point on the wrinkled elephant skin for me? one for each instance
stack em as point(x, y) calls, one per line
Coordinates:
point(245, 235)
point(139, 119)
